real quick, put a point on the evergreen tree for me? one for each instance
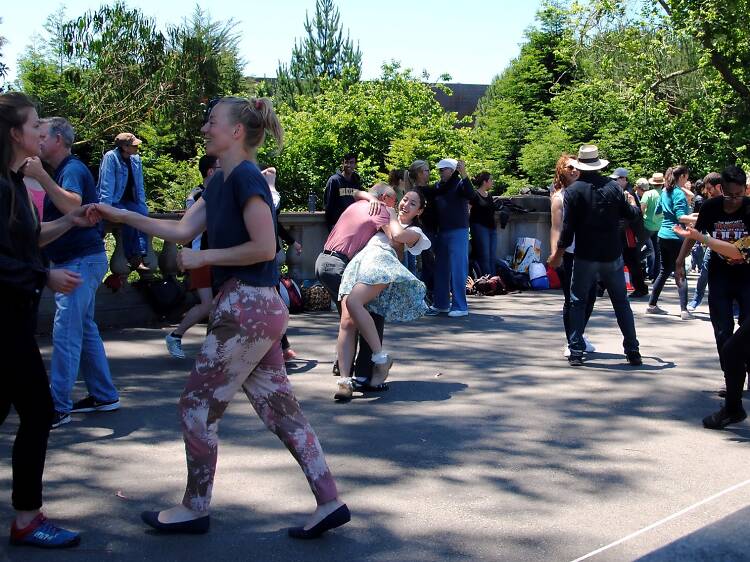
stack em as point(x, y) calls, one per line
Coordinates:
point(324, 54)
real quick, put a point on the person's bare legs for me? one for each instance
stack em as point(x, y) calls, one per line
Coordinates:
point(346, 342)
point(196, 313)
point(354, 304)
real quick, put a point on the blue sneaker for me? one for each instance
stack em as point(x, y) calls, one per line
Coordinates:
point(42, 533)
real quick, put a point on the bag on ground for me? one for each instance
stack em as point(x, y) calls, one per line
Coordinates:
point(528, 251)
point(538, 276)
point(293, 294)
point(315, 298)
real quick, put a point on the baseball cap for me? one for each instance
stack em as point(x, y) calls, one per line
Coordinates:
point(619, 173)
point(447, 163)
point(127, 139)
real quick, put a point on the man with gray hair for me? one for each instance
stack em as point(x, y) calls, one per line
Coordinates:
point(75, 337)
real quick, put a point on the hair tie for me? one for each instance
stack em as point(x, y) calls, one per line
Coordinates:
point(258, 104)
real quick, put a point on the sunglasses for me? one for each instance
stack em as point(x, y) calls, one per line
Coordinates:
point(570, 167)
point(735, 196)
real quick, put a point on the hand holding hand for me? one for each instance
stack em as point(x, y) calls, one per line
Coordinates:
point(63, 280)
point(84, 216)
point(190, 259)
point(108, 212)
point(34, 168)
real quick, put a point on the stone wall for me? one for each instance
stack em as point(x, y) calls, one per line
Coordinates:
point(127, 307)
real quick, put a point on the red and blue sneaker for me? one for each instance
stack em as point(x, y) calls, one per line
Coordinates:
point(42, 533)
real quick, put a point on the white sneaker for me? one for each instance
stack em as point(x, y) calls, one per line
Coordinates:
point(566, 351)
point(691, 307)
point(589, 346)
point(685, 315)
point(457, 313)
point(174, 346)
point(655, 310)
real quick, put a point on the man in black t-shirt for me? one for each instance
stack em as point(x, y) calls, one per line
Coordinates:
point(340, 190)
point(725, 218)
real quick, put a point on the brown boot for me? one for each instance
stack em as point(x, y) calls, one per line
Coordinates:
point(344, 390)
point(380, 371)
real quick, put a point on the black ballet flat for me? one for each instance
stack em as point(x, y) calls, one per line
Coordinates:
point(195, 527)
point(339, 517)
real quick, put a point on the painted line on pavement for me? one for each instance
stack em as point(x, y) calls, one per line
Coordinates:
point(662, 521)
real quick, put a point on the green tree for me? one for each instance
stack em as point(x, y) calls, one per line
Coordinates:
point(324, 54)
point(388, 122)
point(3, 66)
point(518, 100)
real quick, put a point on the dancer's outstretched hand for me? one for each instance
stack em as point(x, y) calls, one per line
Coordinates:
point(110, 213)
point(686, 231)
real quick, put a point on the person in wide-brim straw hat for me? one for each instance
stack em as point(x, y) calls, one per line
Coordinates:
point(588, 159)
point(594, 207)
point(656, 179)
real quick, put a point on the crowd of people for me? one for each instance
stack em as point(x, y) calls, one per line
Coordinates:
point(597, 220)
point(395, 252)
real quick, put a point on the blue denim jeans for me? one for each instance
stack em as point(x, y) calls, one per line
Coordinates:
point(451, 268)
point(76, 342)
point(700, 285)
point(485, 247)
point(653, 261)
point(134, 241)
point(612, 276)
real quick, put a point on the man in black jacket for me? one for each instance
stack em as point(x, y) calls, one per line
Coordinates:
point(594, 206)
point(341, 189)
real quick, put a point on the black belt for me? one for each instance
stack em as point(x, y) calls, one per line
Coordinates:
point(343, 257)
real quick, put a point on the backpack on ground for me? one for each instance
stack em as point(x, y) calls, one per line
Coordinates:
point(294, 296)
point(163, 295)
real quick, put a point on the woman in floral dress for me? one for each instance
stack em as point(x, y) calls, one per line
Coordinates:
point(376, 280)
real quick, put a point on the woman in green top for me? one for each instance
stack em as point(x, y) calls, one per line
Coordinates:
point(674, 204)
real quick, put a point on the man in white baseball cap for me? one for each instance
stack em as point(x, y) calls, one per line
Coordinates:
point(453, 193)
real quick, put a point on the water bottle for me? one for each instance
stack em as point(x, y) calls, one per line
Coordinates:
point(311, 202)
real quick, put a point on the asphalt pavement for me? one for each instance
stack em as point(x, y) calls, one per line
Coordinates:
point(487, 446)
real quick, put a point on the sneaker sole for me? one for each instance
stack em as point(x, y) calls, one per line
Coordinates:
point(75, 542)
point(58, 424)
point(104, 408)
point(724, 424)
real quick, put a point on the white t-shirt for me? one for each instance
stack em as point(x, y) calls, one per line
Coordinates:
point(572, 248)
point(419, 246)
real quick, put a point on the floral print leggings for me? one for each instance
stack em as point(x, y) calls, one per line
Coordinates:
point(242, 350)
